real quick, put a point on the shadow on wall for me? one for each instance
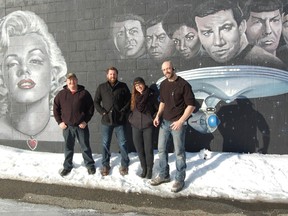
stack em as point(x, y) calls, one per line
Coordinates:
point(239, 125)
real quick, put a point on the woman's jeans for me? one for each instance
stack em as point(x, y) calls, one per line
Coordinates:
point(179, 146)
point(107, 132)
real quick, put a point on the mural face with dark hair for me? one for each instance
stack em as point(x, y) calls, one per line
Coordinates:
point(159, 46)
point(187, 42)
point(220, 35)
point(264, 24)
point(128, 36)
point(184, 33)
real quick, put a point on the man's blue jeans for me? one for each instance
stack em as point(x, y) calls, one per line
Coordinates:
point(71, 133)
point(179, 146)
point(107, 132)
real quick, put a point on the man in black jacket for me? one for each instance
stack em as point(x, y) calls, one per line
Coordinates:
point(73, 109)
point(112, 101)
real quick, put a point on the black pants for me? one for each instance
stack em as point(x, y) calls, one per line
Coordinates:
point(143, 142)
point(71, 133)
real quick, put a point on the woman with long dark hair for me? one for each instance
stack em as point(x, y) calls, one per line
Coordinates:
point(144, 105)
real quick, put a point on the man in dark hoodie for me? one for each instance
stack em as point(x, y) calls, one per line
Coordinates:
point(73, 109)
point(112, 101)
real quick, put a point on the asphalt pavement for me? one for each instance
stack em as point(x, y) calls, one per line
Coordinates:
point(30, 198)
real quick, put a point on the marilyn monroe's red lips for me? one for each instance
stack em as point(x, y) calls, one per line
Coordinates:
point(26, 84)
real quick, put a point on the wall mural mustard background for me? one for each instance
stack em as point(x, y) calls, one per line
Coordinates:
point(233, 53)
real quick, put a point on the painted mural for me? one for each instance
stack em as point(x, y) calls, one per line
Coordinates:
point(33, 70)
point(233, 53)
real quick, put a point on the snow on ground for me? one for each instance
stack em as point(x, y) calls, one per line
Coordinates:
point(243, 177)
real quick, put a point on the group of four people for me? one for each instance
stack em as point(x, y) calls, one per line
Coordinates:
point(74, 108)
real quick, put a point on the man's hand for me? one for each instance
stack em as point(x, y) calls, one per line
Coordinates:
point(82, 125)
point(156, 121)
point(62, 125)
point(176, 125)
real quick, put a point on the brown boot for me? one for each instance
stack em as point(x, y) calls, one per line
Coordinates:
point(123, 170)
point(105, 170)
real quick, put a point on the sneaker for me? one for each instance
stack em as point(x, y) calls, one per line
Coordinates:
point(123, 170)
point(105, 170)
point(159, 180)
point(65, 172)
point(91, 170)
point(177, 186)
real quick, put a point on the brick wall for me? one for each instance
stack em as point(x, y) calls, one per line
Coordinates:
point(82, 31)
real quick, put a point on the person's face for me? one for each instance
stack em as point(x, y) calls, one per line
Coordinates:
point(159, 45)
point(128, 37)
point(72, 83)
point(187, 41)
point(167, 70)
point(140, 87)
point(220, 35)
point(112, 76)
point(264, 29)
point(285, 28)
point(27, 69)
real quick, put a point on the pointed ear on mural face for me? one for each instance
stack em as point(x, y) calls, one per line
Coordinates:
point(242, 27)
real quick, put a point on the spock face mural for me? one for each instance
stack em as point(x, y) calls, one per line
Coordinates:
point(264, 23)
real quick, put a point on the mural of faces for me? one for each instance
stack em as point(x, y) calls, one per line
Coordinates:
point(159, 45)
point(129, 38)
point(27, 69)
point(264, 29)
point(220, 35)
point(187, 42)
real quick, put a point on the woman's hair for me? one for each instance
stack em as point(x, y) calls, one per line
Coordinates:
point(20, 23)
point(135, 93)
point(133, 98)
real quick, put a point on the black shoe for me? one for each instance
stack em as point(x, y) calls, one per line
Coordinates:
point(65, 172)
point(149, 173)
point(91, 170)
point(143, 174)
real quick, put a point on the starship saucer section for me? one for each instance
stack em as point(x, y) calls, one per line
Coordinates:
point(230, 82)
